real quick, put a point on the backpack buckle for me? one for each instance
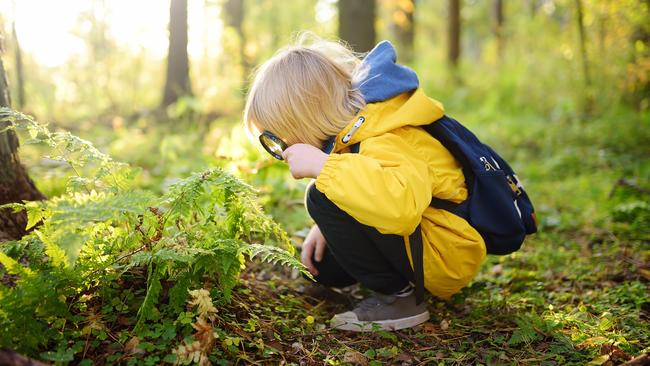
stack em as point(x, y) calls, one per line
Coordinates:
point(513, 185)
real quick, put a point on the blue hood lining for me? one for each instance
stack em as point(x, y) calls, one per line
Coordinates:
point(385, 78)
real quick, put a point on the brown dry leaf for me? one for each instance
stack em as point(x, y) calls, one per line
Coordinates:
point(444, 325)
point(131, 347)
point(276, 345)
point(591, 342)
point(355, 358)
point(614, 352)
point(645, 273)
point(297, 347)
point(428, 327)
point(405, 358)
point(204, 335)
point(124, 320)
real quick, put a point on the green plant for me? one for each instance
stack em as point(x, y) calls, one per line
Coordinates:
point(94, 250)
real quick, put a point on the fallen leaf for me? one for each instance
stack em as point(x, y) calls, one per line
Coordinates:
point(600, 360)
point(405, 358)
point(428, 327)
point(297, 347)
point(444, 325)
point(355, 358)
point(131, 346)
point(615, 353)
point(204, 334)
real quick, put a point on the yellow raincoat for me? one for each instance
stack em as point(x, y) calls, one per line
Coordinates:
point(389, 186)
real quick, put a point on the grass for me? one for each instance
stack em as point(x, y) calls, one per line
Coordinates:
point(577, 291)
point(575, 294)
point(566, 298)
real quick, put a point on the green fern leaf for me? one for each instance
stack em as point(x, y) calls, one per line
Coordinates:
point(275, 255)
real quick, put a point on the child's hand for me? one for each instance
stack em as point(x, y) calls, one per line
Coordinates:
point(305, 161)
point(313, 247)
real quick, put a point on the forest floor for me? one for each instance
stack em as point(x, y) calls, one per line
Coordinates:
point(567, 298)
point(575, 294)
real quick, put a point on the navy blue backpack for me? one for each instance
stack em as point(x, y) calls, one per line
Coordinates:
point(497, 205)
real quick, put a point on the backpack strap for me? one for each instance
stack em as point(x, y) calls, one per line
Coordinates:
point(458, 209)
point(415, 242)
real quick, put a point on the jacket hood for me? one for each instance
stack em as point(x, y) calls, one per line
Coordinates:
point(393, 99)
point(384, 78)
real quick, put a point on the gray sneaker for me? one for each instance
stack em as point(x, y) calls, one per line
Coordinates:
point(382, 312)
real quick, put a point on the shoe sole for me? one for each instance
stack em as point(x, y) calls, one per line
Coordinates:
point(391, 324)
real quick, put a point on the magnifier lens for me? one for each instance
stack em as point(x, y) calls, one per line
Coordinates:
point(273, 144)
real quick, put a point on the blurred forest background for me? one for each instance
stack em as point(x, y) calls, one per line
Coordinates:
point(561, 88)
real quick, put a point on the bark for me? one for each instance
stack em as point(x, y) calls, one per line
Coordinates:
point(588, 92)
point(357, 23)
point(403, 27)
point(15, 184)
point(641, 33)
point(532, 7)
point(454, 33)
point(178, 70)
point(583, 42)
point(20, 78)
point(234, 11)
point(498, 27)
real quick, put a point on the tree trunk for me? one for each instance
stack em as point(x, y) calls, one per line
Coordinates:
point(15, 184)
point(178, 69)
point(532, 7)
point(585, 59)
point(403, 27)
point(20, 79)
point(498, 27)
point(357, 23)
point(454, 33)
point(583, 42)
point(233, 11)
point(640, 93)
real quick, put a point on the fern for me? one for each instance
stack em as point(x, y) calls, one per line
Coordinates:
point(526, 331)
point(103, 229)
point(275, 255)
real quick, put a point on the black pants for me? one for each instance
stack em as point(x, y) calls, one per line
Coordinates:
point(357, 252)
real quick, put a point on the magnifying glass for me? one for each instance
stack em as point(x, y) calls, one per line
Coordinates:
point(273, 144)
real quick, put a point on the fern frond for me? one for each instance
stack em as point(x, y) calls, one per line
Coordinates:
point(275, 255)
point(154, 287)
point(78, 208)
point(12, 266)
point(525, 333)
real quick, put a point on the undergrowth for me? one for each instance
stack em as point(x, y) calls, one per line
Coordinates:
point(148, 271)
point(106, 261)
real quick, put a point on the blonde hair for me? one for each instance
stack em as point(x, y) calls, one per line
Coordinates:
point(305, 93)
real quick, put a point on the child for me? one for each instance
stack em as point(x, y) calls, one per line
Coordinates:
point(322, 101)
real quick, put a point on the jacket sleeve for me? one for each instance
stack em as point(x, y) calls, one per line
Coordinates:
point(385, 186)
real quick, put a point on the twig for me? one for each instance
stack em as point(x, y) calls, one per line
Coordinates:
point(622, 182)
point(11, 357)
point(644, 359)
